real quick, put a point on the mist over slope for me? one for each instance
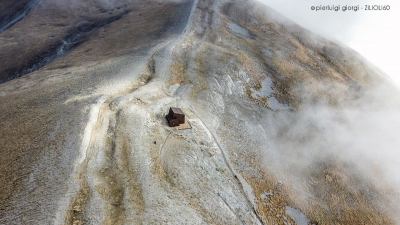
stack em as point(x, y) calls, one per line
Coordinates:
point(287, 127)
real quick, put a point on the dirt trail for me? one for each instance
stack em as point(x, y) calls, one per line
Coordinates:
point(103, 171)
point(244, 186)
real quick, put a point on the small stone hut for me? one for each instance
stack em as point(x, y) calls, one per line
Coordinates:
point(175, 117)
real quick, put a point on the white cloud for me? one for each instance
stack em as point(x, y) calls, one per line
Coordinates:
point(374, 34)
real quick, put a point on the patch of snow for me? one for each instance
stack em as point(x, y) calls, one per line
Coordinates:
point(298, 217)
point(267, 90)
point(274, 104)
point(184, 90)
point(173, 88)
point(267, 52)
point(266, 195)
point(77, 98)
point(235, 28)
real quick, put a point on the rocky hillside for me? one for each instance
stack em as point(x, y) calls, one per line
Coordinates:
point(85, 86)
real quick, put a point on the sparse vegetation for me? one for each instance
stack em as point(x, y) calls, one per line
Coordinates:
point(83, 139)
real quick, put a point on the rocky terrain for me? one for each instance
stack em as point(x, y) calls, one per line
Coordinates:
point(85, 86)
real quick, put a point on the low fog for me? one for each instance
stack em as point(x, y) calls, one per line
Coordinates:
point(358, 142)
point(363, 135)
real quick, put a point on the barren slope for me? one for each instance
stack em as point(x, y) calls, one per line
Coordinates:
point(83, 139)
